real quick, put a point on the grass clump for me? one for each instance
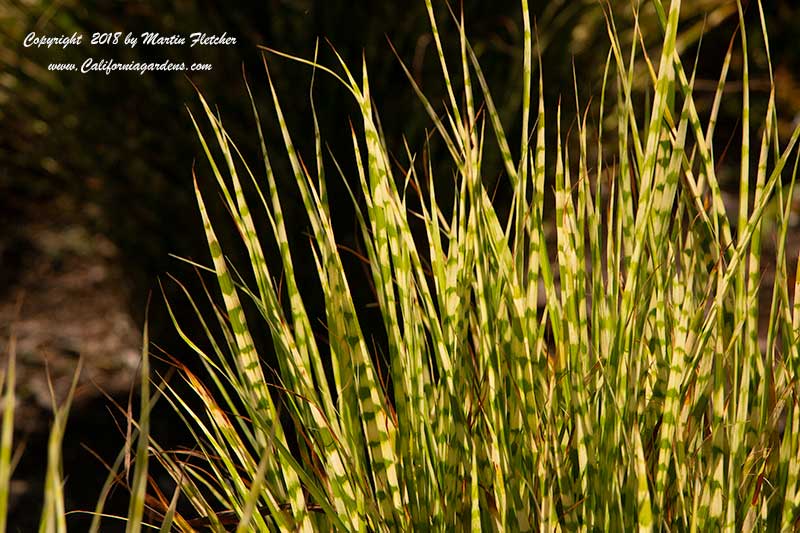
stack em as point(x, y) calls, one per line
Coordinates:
point(641, 394)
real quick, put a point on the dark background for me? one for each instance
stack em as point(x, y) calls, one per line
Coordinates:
point(102, 165)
